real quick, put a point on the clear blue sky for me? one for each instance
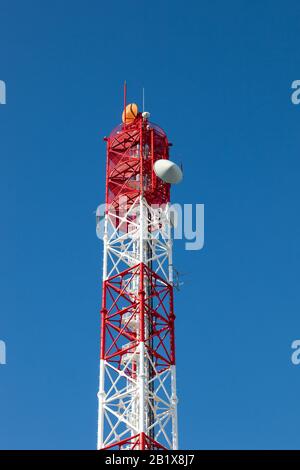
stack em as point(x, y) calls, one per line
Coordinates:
point(217, 76)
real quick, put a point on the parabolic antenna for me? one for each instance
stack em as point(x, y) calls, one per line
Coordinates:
point(168, 171)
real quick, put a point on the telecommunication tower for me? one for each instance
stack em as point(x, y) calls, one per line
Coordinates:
point(137, 386)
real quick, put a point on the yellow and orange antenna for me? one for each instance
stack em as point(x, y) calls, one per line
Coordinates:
point(130, 111)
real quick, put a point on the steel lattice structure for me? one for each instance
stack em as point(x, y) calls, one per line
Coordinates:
point(137, 386)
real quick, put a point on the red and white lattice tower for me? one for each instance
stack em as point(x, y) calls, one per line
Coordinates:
point(137, 391)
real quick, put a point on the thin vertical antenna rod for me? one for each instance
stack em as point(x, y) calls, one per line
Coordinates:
point(143, 99)
point(125, 95)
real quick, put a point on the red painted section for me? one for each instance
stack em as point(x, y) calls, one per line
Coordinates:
point(138, 442)
point(130, 172)
point(122, 309)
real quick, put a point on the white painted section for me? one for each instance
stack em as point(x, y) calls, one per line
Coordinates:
point(101, 400)
point(174, 406)
point(141, 388)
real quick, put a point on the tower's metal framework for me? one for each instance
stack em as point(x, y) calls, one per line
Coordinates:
point(137, 386)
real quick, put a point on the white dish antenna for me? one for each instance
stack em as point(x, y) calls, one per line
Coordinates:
point(168, 171)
